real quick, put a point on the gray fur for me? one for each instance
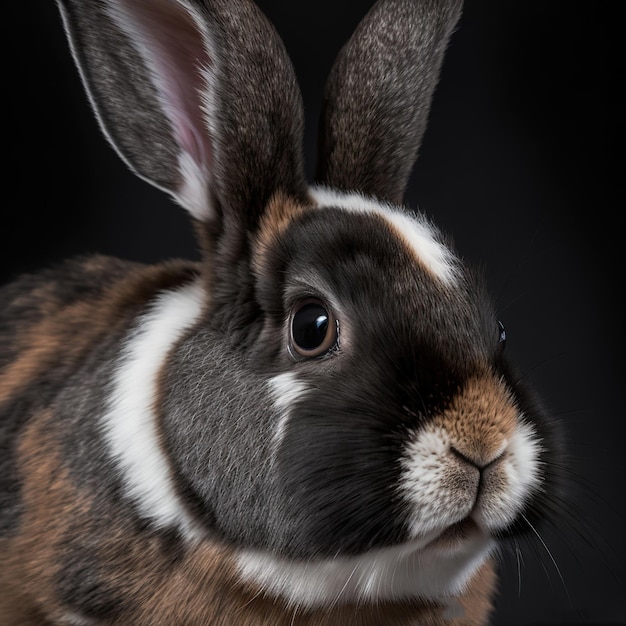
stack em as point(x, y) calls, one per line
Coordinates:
point(259, 112)
point(122, 95)
point(378, 96)
point(220, 441)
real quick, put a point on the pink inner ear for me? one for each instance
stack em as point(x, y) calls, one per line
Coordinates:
point(172, 45)
point(178, 56)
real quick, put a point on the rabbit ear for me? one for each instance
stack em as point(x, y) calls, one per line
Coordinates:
point(199, 98)
point(378, 96)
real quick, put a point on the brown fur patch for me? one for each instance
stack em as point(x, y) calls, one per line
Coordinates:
point(280, 212)
point(51, 503)
point(480, 419)
point(477, 599)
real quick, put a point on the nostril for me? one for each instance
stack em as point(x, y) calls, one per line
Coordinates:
point(478, 463)
point(459, 455)
point(464, 478)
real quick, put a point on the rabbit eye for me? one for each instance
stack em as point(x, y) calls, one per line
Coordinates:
point(313, 329)
point(501, 336)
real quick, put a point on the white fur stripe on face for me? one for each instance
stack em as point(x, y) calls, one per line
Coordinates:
point(417, 234)
point(129, 423)
point(285, 389)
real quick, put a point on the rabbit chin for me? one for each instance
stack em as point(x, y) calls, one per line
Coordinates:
point(436, 567)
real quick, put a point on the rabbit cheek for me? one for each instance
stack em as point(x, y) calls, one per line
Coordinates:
point(285, 390)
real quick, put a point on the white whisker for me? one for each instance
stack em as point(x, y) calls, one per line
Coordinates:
point(556, 567)
point(518, 557)
point(336, 600)
point(295, 613)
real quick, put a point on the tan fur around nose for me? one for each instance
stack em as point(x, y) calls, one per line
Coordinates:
point(480, 419)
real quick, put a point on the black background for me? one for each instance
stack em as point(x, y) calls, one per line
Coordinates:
point(522, 162)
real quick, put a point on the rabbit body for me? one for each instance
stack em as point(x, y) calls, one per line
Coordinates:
point(317, 423)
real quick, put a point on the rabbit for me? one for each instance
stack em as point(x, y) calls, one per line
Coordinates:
point(317, 422)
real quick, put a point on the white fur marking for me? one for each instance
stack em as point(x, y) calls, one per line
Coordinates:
point(418, 234)
point(129, 423)
point(285, 390)
point(193, 194)
point(519, 467)
point(407, 571)
point(524, 448)
point(428, 483)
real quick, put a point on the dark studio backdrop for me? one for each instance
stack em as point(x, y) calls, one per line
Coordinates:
point(521, 163)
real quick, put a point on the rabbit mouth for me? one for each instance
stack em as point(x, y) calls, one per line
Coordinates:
point(456, 534)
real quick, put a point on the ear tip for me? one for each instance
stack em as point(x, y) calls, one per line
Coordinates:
point(423, 11)
point(378, 95)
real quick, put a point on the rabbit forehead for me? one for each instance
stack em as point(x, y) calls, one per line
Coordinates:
point(408, 232)
point(415, 233)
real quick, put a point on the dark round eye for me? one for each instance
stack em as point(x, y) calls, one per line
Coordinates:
point(313, 328)
point(501, 336)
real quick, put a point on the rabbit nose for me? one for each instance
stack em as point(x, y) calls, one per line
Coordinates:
point(481, 461)
point(464, 459)
point(480, 420)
